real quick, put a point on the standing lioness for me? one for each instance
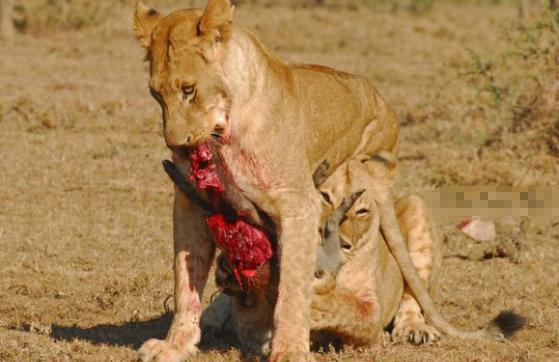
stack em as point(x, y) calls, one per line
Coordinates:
point(272, 124)
point(276, 123)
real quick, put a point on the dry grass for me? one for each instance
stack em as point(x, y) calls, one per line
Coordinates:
point(85, 210)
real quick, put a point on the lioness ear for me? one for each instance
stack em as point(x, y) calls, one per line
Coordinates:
point(145, 20)
point(216, 20)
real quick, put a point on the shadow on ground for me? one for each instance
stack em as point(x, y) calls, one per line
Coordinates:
point(129, 334)
point(133, 334)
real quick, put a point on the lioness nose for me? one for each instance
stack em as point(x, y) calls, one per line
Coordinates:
point(175, 142)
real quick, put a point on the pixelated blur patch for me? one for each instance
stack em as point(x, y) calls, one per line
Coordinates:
point(495, 201)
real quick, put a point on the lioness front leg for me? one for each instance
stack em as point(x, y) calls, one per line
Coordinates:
point(409, 322)
point(193, 256)
point(298, 241)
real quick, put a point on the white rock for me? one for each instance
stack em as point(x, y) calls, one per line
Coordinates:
point(477, 229)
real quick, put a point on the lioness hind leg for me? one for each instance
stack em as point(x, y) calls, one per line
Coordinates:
point(409, 322)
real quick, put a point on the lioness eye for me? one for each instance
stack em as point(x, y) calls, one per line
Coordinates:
point(326, 197)
point(187, 91)
point(362, 211)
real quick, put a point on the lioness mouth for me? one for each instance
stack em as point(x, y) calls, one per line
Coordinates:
point(217, 132)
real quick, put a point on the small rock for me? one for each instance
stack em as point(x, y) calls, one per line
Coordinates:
point(477, 229)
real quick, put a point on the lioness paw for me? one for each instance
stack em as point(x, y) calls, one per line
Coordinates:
point(157, 350)
point(416, 332)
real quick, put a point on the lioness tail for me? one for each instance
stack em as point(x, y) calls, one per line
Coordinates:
point(501, 328)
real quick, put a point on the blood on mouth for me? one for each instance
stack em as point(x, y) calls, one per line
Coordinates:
point(247, 247)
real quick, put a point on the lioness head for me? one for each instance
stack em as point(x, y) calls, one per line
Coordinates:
point(360, 220)
point(184, 49)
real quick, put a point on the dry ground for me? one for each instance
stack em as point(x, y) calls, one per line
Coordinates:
point(85, 209)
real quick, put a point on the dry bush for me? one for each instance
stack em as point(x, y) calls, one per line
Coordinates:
point(413, 6)
point(36, 16)
point(497, 115)
point(518, 88)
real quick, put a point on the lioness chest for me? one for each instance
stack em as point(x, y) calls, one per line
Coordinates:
point(248, 180)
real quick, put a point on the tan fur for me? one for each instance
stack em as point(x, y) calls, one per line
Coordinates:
point(144, 20)
point(409, 322)
point(277, 122)
point(367, 293)
point(280, 122)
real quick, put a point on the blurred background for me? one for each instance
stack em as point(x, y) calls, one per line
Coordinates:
point(85, 209)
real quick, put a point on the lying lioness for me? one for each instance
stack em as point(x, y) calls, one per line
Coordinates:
point(368, 292)
point(358, 304)
point(274, 124)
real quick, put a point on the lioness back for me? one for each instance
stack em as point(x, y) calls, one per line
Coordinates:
point(344, 115)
